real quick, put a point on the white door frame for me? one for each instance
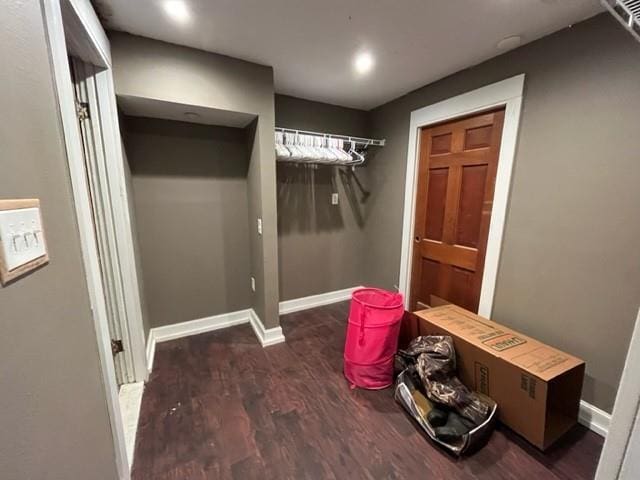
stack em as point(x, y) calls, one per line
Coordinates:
point(124, 232)
point(82, 25)
point(89, 42)
point(507, 93)
point(619, 458)
point(116, 226)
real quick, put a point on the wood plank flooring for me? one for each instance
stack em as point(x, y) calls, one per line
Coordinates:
point(220, 406)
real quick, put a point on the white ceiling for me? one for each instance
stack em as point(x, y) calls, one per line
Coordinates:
point(311, 43)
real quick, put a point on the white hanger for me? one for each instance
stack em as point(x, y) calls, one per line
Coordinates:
point(359, 160)
point(282, 153)
point(290, 139)
point(345, 157)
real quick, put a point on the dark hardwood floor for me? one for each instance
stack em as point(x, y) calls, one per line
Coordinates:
point(218, 405)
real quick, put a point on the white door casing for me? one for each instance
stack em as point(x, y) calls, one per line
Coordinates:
point(620, 458)
point(103, 216)
point(507, 93)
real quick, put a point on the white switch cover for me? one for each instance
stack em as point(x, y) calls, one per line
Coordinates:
point(334, 199)
point(253, 284)
point(259, 226)
point(21, 236)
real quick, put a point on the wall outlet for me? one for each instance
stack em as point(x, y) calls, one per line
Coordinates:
point(334, 199)
point(259, 226)
point(253, 284)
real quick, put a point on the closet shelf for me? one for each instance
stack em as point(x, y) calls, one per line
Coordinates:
point(316, 148)
point(360, 141)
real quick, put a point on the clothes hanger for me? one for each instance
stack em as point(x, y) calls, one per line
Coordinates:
point(344, 155)
point(297, 155)
point(282, 153)
point(359, 158)
point(336, 148)
point(329, 156)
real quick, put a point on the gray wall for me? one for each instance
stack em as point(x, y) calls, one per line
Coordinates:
point(190, 196)
point(320, 245)
point(53, 414)
point(156, 70)
point(146, 325)
point(569, 273)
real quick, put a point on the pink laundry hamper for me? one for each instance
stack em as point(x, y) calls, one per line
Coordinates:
point(372, 337)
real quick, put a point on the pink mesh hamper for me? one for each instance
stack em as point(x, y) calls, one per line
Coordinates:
point(372, 337)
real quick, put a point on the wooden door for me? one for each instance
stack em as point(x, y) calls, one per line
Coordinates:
point(456, 180)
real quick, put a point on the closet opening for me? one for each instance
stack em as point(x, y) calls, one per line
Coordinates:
point(187, 172)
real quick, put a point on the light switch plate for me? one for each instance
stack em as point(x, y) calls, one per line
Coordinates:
point(334, 199)
point(259, 226)
point(22, 242)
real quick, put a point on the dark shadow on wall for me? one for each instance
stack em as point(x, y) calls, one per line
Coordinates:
point(357, 194)
point(366, 181)
point(250, 132)
point(304, 197)
point(189, 145)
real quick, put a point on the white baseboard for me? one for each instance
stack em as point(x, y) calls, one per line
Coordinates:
point(266, 336)
point(594, 419)
point(192, 327)
point(202, 325)
point(151, 349)
point(312, 301)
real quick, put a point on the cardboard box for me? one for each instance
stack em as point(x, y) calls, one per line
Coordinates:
point(537, 387)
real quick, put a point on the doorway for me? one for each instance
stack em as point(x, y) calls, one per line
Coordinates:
point(506, 97)
point(457, 168)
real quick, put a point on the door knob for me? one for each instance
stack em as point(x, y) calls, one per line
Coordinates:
point(417, 239)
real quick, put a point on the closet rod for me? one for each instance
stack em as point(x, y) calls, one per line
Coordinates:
point(356, 140)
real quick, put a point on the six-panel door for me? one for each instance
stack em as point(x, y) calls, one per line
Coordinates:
point(456, 180)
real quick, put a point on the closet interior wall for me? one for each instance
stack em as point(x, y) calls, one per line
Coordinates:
point(191, 209)
point(320, 245)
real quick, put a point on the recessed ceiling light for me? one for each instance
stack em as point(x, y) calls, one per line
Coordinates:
point(177, 10)
point(363, 63)
point(509, 43)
